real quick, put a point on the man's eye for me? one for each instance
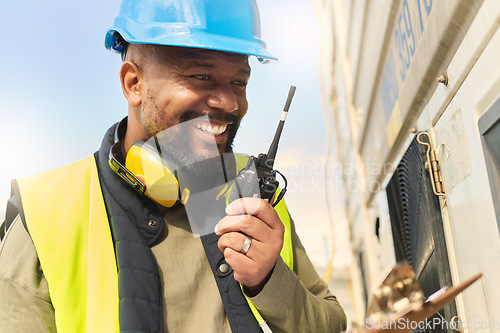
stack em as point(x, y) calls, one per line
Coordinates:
point(240, 83)
point(200, 76)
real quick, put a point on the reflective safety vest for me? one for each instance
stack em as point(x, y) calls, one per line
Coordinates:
point(66, 218)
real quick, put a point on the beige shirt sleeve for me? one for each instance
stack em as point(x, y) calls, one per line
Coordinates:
point(291, 301)
point(299, 300)
point(24, 294)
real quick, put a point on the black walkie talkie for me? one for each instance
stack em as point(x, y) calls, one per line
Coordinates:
point(259, 177)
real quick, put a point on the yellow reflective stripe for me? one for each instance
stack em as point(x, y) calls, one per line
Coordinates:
point(102, 295)
point(241, 161)
point(66, 218)
point(254, 310)
point(287, 250)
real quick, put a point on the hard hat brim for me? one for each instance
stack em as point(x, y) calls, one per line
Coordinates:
point(183, 36)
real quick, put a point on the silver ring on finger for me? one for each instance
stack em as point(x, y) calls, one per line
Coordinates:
point(246, 245)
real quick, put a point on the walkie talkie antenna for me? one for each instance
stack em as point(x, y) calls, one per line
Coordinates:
point(271, 155)
point(258, 178)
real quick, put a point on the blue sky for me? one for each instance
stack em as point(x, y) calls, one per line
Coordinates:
point(60, 89)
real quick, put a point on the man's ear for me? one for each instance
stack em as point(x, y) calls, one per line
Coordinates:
point(130, 78)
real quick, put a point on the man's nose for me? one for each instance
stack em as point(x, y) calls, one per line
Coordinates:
point(223, 97)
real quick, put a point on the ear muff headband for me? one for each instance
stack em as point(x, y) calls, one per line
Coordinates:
point(123, 172)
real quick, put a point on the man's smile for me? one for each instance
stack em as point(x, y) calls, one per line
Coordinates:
point(212, 129)
point(217, 131)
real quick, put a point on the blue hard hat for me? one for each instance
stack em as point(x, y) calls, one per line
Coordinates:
point(224, 25)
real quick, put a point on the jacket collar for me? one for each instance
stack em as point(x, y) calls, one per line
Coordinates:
point(140, 209)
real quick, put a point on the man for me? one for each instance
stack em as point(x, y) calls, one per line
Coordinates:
point(92, 247)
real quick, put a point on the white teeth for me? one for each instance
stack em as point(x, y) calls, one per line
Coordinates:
point(214, 130)
point(220, 129)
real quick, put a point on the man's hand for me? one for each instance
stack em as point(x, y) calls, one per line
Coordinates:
point(255, 218)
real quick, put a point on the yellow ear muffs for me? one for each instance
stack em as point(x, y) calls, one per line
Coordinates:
point(147, 170)
point(157, 173)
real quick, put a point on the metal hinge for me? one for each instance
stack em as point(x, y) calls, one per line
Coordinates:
point(432, 165)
